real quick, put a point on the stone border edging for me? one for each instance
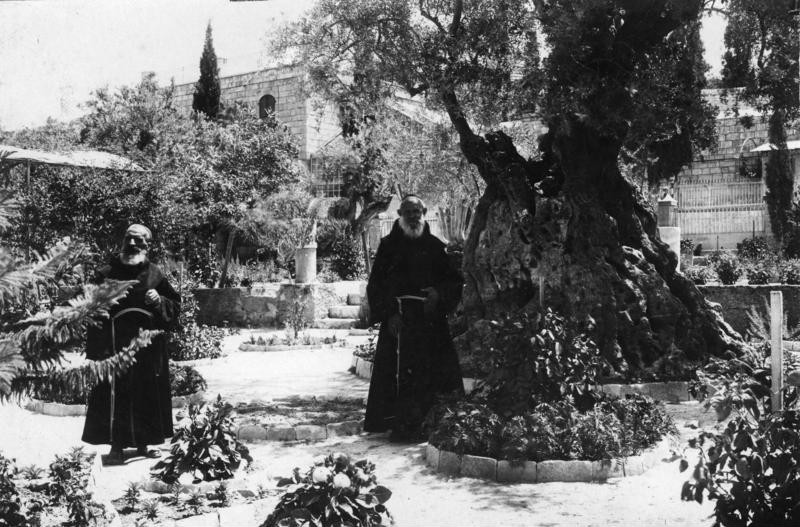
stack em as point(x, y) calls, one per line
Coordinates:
point(247, 433)
point(76, 410)
point(250, 433)
point(502, 471)
point(362, 367)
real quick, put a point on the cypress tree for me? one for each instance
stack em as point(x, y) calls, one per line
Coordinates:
point(207, 89)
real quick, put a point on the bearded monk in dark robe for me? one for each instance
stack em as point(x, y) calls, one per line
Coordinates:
point(411, 289)
point(135, 408)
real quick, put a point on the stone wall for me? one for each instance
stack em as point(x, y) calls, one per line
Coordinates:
point(738, 302)
point(265, 304)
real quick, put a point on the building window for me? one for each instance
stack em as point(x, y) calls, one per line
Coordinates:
point(266, 105)
point(327, 178)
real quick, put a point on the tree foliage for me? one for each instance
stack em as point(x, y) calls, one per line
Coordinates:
point(207, 90)
point(613, 81)
point(200, 175)
point(761, 41)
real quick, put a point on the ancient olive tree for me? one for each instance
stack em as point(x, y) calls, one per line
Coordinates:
point(612, 78)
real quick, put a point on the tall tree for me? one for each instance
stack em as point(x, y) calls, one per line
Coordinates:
point(207, 90)
point(761, 57)
point(567, 220)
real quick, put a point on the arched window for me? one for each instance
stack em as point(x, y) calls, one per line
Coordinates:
point(266, 104)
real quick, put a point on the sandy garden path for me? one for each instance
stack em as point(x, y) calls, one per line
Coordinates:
point(421, 497)
point(265, 376)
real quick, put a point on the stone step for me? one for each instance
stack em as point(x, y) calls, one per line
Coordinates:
point(335, 323)
point(354, 299)
point(343, 311)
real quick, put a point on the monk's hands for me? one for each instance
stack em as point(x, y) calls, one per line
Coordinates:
point(431, 301)
point(394, 323)
point(152, 298)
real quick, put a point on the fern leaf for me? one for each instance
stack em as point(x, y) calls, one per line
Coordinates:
point(93, 372)
point(15, 280)
point(11, 362)
point(46, 334)
point(9, 207)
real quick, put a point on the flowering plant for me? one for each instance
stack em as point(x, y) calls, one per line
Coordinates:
point(334, 491)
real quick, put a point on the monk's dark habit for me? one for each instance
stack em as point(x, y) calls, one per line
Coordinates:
point(137, 410)
point(428, 361)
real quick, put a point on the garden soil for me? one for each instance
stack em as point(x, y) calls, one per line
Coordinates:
point(421, 497)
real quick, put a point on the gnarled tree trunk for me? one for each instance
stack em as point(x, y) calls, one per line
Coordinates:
point(593, 240)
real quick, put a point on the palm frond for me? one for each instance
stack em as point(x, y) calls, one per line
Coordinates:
point(14, 280)
point(9, 207)
point(45, 334)
point(93, 372)
point(11, 362)
point(81, 379)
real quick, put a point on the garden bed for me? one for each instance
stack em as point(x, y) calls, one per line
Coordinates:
point(548, 471)
point(276, 341)
point(300, 419)
point(194, 503)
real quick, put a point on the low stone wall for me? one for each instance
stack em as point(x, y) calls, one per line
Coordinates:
point(265, 304)
point(738, 301)
point(503, 471)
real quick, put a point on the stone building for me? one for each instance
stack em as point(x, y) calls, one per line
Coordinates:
point(720, 196)
point(315, 123)
point(283, 90)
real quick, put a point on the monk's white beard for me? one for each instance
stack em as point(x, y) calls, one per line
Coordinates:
point(410, 231)
point(133, 259)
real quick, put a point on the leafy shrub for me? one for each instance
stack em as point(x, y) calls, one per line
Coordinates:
point(333, 492)
point(198, 342)
point(539, 434)
point(728, 269)
point(643, 420)
point(253, 271)
point(190, 340)
point(539, 361)
point(758, 274)
point(466, 427)
point(596, 435)
point(556, 430)
point(288, 204)
point(204, 446)
point(347, 258)
point(756, 248)
point(687, 246)
point(325, 273)
point(367, 351)
point(185, 380)
point(751, 470)
point(55, 391)
point(11, 508)
point(742, 382)
point(700, 274)
point(63, 494)
point(790, 272)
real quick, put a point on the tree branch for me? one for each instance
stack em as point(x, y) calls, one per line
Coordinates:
point(455, 25)
point(426, 14)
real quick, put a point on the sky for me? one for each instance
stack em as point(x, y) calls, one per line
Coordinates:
point(54, 53)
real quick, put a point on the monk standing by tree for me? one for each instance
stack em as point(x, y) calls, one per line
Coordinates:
point(411, 289)
point(134, 409)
